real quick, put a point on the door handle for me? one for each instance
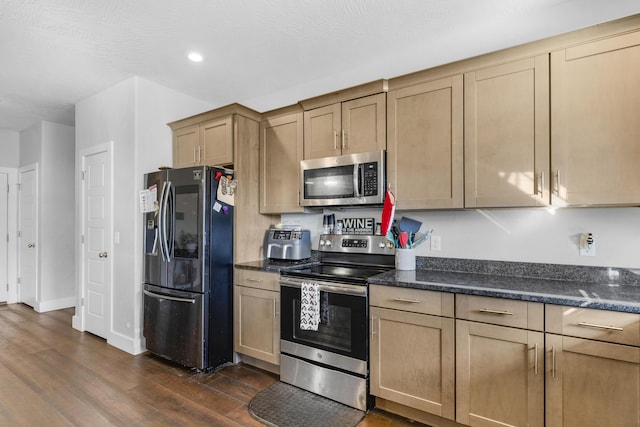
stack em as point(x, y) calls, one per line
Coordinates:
point(31, 245)
point(102, 255)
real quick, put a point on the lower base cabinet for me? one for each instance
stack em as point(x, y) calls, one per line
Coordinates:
point(412, 360)
point(499, 375)
point(257, 317)
point(591, 383)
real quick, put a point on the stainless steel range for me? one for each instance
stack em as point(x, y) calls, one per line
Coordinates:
point(330, 354)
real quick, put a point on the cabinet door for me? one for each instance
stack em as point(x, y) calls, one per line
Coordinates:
point(280, 155)
point(425, 144)
point(364, 124)
point(322, 132)
point(256, 323)
point(507, 134)
point(591, 383)
point(412, 360)
point(185, 146)
point(216, 142)
point(499, 375)
point(595, 135)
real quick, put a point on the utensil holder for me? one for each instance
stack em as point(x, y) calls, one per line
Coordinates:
point(405, 259)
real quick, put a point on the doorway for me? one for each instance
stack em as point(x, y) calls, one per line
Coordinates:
point(28, 247)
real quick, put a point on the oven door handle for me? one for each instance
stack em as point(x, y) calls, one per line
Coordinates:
point(355, 290)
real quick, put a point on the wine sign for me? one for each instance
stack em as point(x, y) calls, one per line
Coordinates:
point(358, 225)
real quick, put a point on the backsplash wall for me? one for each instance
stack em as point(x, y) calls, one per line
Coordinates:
point(536, 235)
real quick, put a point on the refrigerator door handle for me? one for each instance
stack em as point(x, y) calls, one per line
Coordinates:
point(161, 226)
point(161, 296)
point(169, 223)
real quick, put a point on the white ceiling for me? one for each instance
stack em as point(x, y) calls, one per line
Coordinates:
point(262, 53)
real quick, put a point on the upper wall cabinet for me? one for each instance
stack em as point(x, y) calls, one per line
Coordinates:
point(506, 123)
point(335, 124)
point(280, 155)
point(207, 139)
point(425, 144)
point(595, 118)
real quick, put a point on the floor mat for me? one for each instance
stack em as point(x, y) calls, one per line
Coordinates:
point(283, 405)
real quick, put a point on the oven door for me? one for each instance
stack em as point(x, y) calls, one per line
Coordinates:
point(343, 326)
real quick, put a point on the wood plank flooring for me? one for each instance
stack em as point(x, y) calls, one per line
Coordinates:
point(53, 375)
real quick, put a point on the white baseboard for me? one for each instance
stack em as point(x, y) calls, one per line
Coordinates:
point(55, 304)
point(76, 323)
point(128, 344)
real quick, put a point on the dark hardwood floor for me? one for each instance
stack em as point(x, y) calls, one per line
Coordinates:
point(53, 375)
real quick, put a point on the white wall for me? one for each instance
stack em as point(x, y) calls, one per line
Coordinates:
point(51, 146)
point(133, 114)
point(9, 148)
point(57, 207)
point(523, 235)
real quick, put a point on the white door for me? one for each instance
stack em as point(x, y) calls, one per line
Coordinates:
point(4, 236)
point(28, 235)
point(96, 262)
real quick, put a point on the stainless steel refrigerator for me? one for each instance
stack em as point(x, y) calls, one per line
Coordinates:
point(188, 266)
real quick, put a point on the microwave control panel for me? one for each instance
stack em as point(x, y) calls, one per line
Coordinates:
point(370, 180)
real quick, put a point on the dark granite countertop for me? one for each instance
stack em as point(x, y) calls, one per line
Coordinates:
point(275, 266)
point(593, 287)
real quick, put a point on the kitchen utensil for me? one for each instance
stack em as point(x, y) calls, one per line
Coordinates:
point(410, 225)
point(388, 210)
point(403, 239)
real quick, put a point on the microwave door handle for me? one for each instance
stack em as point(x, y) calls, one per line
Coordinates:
point(356, 181)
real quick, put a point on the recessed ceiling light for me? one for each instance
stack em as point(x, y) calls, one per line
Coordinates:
point(195, 56)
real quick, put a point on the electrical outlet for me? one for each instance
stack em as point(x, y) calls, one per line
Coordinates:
point(587, 244)
point(436, 243)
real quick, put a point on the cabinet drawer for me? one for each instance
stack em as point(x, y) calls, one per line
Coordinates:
point(498, 311)
point(602, 325)
point(414, 300)
point(257, 279)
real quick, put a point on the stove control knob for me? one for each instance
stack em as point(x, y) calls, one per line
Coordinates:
point(382, 245)
point(327, 242)
point(321, 242)
point(390, 245)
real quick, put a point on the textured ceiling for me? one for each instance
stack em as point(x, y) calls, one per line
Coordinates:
point(261, 53)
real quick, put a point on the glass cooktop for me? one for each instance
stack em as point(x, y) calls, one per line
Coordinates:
point(336, 272)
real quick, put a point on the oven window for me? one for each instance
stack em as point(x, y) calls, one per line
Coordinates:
point(343, 327)
point(334, 330)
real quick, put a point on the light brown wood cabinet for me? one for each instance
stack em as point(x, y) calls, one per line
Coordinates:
point(591, 381)
point(499, 369)
point(207, 143)
point(425, 144)
point(354, 126)
point(506, 119)
point(412, 353)
point(281, 149)
point(595, 128)
point(257, 315)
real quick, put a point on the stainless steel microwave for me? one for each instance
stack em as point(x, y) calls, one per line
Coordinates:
point(352, 179)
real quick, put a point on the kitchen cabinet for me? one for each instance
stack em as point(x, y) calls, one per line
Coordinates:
point(592, 377)
point(353, 126)
point(425, 144)
point(595, 128)
point(206, 139)
point(412, 348)
point(499, 362)
point(506, 125)
point(257, 315)
point(281, 149)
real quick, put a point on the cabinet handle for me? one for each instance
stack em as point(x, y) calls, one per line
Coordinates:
point(373, 326)
point(540, 189)
point(596, 326)
point(276, 312)
point(556, 182)
point(343, 145)
point(410, 301)
point(499, 312)
point(535, 359)
point(335, 140)
point(254, 280)
point(199, 154)
point(553, 361)
point(195, 156)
